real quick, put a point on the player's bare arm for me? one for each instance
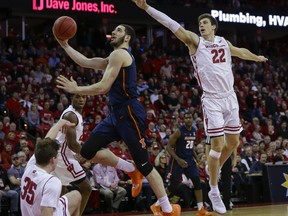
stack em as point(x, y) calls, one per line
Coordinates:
point(190, 39)
point(71, 133)
point(47, 211)
point(61, 124)
point(116, 61)
point(80, 59)
point(171, 148)
point(245, 54)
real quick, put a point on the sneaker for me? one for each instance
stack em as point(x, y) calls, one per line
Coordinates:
point(217, 203)
point(136, 178)
point(176, 210)
point(156, 210)
point(203, 212)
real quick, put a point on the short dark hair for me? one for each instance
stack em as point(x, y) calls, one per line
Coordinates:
point(211, 18)
point(130, 31)
point(45, 150)
point(188, 114)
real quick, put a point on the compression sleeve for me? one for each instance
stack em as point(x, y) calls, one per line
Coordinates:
point(163, 19)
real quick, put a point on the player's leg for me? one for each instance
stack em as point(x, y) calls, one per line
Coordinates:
point(232, 142)
point(69, 171)
point(74, 201)
point(214, 159)
point(192, 173)
point(131, 126)
point(232, 128)
point(94, 148)
point(85, 190)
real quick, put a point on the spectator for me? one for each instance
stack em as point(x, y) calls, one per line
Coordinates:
point(108, 180)
point(33, 119)
point(258, 166)
point(22, 159)
point(248, 158)
point(5, 191)
point(283, 130)
point(15, 173)
point(6, 154)
point(161, 162)
point(13, 106)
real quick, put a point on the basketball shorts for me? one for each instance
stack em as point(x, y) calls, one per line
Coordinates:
point(62, 209)
point(68, 170)
point(221, 115)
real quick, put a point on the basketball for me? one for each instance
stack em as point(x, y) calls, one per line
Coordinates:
point(64, 28)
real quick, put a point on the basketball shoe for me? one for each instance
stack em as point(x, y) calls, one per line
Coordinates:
point(217, 202)
point(176, 210)
point(136, 178)
point(156, 210)
point(203, 212)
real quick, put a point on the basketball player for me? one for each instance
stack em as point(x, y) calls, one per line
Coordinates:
point(40, 191)
point(68, 169)
point(126, 120)
point(211, 58)
point(181, 148)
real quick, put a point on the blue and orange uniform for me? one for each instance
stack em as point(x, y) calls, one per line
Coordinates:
point(184, 148)
point(126, 120)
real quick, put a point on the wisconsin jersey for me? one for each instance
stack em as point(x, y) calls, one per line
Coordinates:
point(213, 68)
point(68, 168)
point(41, 189)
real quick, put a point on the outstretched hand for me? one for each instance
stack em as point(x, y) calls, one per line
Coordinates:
point(141, 4)
point(66, 84)
point(63, 43)
point(262, 59)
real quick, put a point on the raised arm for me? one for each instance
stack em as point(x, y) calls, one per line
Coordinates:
point(61, 124)
point(189, 38)
point(80, 59)
point(117, 60)
point(245, 54)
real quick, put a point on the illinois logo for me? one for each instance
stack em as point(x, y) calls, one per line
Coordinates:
point(142, 141)
point(285, 184)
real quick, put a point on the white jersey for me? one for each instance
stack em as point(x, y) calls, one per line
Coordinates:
point(213, 68)
point(68, 168)
point(61, 137)
point(39, 188)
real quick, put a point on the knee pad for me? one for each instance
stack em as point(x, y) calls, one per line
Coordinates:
point(214, 154)
point(196, 182)
point(144, 168)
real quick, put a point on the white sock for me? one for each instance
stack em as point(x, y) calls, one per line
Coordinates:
point(157, 203)
point(125, 166)
point(165, 204)
point(214, 189)
point(200, 205)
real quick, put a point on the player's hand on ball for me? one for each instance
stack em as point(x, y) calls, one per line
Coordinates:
point(66, 84)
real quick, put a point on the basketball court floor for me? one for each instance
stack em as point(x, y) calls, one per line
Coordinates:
point(269, 210)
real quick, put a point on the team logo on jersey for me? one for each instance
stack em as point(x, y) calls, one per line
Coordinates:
point(142, 141)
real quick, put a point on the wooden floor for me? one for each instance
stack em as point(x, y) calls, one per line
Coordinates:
point(269, 210)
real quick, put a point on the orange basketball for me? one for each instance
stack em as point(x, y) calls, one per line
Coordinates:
point(65, 27)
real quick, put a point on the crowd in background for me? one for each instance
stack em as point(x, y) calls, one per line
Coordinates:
point(30, 103)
